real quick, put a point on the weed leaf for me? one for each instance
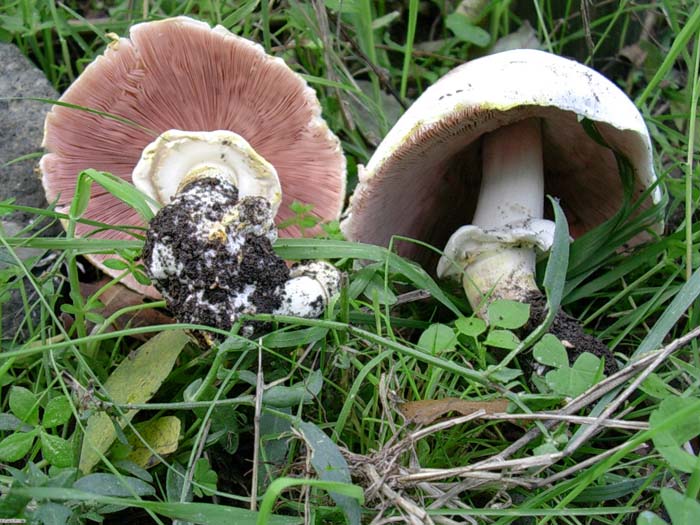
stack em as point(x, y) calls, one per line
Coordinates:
point(161, 435)
point(330, 465)
point(507, 314)
point(15, 446)
point(57, 412)
point(135, 380)
point(112, 485)
point(56, 450)
point(682, 509)
point(437, 338)
point(669, 441)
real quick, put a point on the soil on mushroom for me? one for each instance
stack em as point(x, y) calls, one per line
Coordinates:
point(212, 279)
point(568, 330)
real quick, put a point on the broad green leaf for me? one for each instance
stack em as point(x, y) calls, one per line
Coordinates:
point(289, 396)
point(330, 465)
point(81, 197)
point(205, 476)
point(375, 289)
point(135, 380)
point(50, 513)
point(11, 422)
point(504, 375)
point(464, 29)
point(24, 404)
point(558, 262)
point(656, 387)
point(175, 481)
point(572, 381)
point(133, 469)
point(113, 485)
point(124, 191)
point(550, 351)
point(471, 326)
point(15, 446)
point(682, 509)
point(669, 441)
point(502, 339)
point(649, 518)
point(437, 338)
point(504, 313)
point(57, 412)
point(162, 434)
point(56, 450)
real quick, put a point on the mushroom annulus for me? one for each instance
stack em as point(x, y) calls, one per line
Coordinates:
point(475, 155)
point(197, 117)
point(182, 74)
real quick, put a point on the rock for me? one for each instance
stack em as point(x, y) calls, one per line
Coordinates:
point(21, 128)
point(21, 132)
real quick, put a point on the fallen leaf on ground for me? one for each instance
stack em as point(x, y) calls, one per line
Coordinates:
point(119, 296)
point(428, 410)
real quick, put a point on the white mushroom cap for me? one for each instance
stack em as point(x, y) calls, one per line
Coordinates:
point(423, 180)
point(168, 162)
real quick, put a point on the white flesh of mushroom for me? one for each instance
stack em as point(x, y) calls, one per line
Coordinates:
point(177, 157)
point(497, 252)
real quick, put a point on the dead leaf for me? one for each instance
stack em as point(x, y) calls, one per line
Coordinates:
point(524, 38)
point(119, 296)
point(428, 410)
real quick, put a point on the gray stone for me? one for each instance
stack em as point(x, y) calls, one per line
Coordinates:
point(21, 127)
point(21, 132)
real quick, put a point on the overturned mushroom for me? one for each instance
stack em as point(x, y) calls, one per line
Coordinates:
point(174, 79)
point(481, 148)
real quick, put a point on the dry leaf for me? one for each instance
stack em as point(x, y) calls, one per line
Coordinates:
point(428, 410)
point(119, 296)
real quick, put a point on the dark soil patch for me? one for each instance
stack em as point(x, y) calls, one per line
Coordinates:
point(568, 330)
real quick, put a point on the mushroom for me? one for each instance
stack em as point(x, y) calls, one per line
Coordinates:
point(184, 85)
point(467, 167)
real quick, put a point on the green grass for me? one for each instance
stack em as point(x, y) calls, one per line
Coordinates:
point(331, 389)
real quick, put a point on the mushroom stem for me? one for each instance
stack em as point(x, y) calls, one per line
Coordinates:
point(512, 192)
point(512, 181)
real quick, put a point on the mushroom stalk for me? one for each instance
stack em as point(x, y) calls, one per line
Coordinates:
point(512, 180)
point(497, 253)
point(512, 191)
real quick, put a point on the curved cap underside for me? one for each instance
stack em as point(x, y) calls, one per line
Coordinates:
point(181, 74)
point(423, 181)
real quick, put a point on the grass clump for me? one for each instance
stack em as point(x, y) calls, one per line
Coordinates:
point(321, 421)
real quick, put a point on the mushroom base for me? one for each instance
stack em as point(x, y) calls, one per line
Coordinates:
point(210, 255)
point(211, 273)
point(508, 273)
